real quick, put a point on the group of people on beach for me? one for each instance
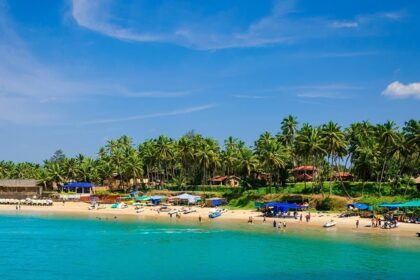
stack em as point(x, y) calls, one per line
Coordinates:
point(279, 225)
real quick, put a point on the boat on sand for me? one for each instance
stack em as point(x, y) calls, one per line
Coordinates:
point(330, 223)
point(215, 213)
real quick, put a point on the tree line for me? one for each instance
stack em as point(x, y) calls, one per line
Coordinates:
point(371, 152)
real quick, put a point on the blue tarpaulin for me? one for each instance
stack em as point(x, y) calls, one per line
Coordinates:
point(414, 203)
point(157, 198)
point(390, 205)
point(74, 185)
point(282, 206)
point(360, 206)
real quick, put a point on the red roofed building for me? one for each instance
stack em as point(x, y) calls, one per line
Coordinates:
point(231, 181)
point(305, 173)
point(343, 175)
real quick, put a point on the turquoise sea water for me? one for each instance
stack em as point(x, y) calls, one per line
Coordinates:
point(36, 247)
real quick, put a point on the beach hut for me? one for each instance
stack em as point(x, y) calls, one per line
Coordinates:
point(215, 201)
point(19, 188)
point(186, 198)
point(78, 187)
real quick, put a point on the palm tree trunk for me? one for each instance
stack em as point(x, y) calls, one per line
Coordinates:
point(381, 177)
point(341, 179)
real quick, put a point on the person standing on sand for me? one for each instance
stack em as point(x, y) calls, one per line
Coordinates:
point(199, 218)
point(264, 219)
point(274, 223)
point(250, 220)
point(300, 218)
point(357, 223)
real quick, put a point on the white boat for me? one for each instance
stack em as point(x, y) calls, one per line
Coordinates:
point(330, 224)
point(139, 210)
point(174, 211)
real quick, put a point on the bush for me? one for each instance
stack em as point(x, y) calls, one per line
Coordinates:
point(324, 205)
point(330, 203)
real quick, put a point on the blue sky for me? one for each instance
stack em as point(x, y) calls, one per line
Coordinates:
point(74, 74)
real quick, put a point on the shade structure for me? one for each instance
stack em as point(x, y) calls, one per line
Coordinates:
point(189, 197)
point(360, 206)
point(74, 185)
point(414, 203)
point(143, 198)
point(282, 206)
point(390, 205)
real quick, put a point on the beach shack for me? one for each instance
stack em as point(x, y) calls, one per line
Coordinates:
point(20, 188)
point(215, 201)
point(276, 207)
point(185, 198)
point(78, 187)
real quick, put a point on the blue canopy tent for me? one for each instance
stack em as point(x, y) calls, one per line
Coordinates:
point(156, 199)
point(360, 206)
point(282, 206)
point(85, 187)
point(390, 205)
point(413, 204)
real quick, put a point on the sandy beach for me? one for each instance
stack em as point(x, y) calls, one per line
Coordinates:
point(238, 217)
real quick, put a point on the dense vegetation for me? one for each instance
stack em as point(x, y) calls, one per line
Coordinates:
point(380, 153)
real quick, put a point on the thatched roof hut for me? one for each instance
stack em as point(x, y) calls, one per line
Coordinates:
point(19, 188)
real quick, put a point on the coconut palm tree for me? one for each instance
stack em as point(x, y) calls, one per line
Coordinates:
point(388, 139)
point(335, 144)
point(248, 161)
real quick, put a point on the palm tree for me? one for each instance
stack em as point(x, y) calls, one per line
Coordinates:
point(310, 146)
point(388, 139)
point(55, 173)
point(248, 162)
point(335, 145)
point(272, 155)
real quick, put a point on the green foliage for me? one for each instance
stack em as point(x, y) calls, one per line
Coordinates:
point(382, 157)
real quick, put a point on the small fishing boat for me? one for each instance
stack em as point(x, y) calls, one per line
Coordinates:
point(173, 211)
point(190, 210)
point(139, 210)
point(215, 214)
point(330, 224)
point(165, 209)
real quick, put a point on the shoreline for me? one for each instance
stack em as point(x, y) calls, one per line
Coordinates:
point(235, 218)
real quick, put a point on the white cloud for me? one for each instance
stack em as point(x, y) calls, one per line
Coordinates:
point(32, 91)
point(153, 115)
point(96, 16)
point(278, 27)
point(344, 24)
point(242, 96)
point(323, 94)
point(400, 90)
